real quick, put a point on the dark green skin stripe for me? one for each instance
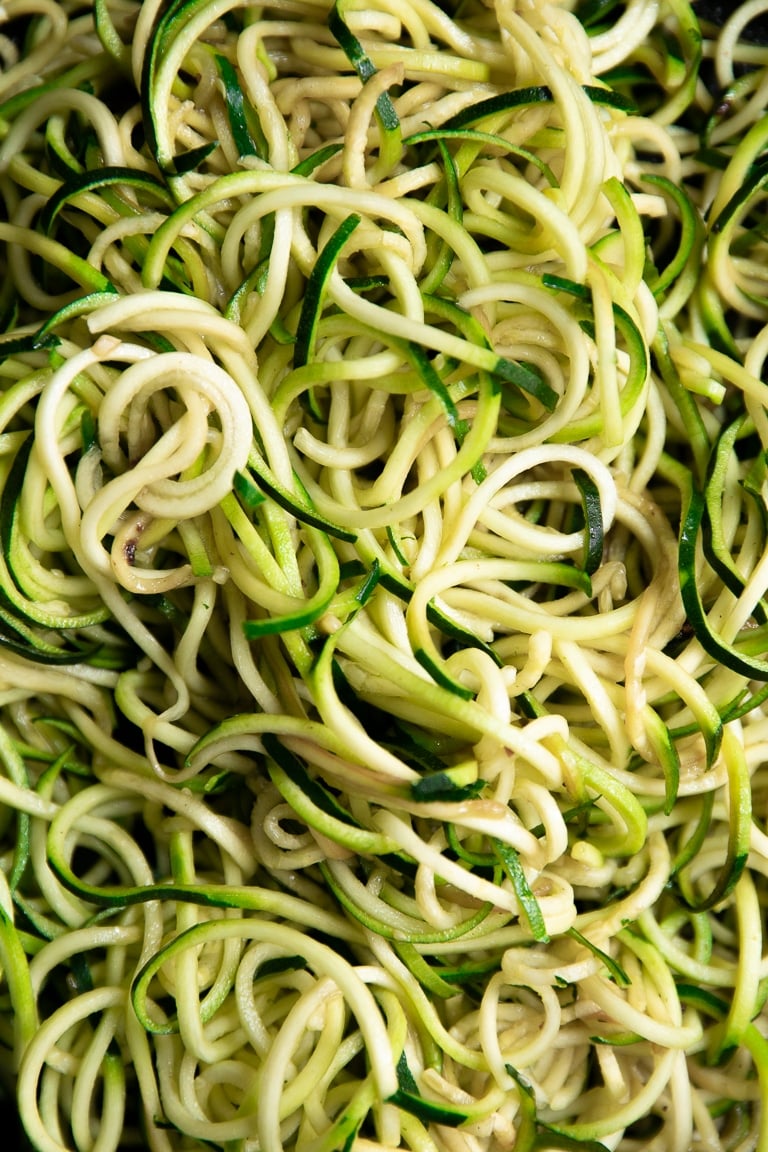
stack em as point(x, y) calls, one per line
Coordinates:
point(166, 28)
point(739, 825)
point(618, 975)
point(592, 11)
point(726, 882)
point(535, 94)
point(192, 159)
point(427, 1111)
point(248, 898)
point(455, 201)
point(476, 859)
point(429, 978)
point(369, 584)
point(353, 50)
point(440, 677)
point(315, 289)
point(518, 98)
point(440, 786)
point(310, 163)
point(464, 322)
point(563, 284)
point(456, 632)
point(715, 548)
point(528, 902)
point(664, 747)
point(277, 625)
point(11, 493)
point(235, 102)
point(470, 972)
point(401, 559)
point(19, 633)
point(44, 337)
point(622, 1040)
point(21, 344)
point(712, 158)
point(278, 964)
point(532, 1134)
point(36, 649)
point(623, 321)
point(147, 83)
point(477, 136)
point(81, 74)
point(507, 370)
point(405, 1078)
point(548, 1138)
point(350, 1124)
point(695, 842)
point(593, 520)
point(296, 772)
point(692, 233)
point(684, 402)
point(18, 984)
point(390, 933)
point(91, 181)
point(250, 495)
point(292, 504)
point(525, 1137)
point(754, 182)
point(745, 702)
point(88, 432)
point(705, 1001)
point(442, 260)
point(431, 379)
point(527, 381)
point(610, 99)
point(723, 653)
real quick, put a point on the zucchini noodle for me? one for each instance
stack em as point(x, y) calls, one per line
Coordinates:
point(384, 575)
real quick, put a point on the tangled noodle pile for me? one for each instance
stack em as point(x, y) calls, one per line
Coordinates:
point(383, 616)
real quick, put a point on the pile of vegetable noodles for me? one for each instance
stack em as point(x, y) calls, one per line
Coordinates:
point(384, 579)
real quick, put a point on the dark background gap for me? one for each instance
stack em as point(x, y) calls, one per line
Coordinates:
point(756, 30)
